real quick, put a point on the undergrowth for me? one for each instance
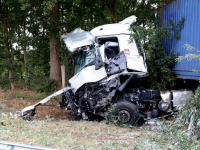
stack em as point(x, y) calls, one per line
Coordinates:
point(4, 83)
point(189, 116)
point(184, 131)
point(44, 84)
point(35, 96)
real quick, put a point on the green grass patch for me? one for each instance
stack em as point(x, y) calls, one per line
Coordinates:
point(66, 134)
point(35, 96)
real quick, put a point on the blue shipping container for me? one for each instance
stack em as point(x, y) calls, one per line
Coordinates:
point(190, 33)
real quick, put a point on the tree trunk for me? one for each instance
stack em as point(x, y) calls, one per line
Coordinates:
point(26, 69)
point(114, 8)
point(8, 55)
point(25, 54)
point(10, 77)
point(55, 71)
point(13, 70)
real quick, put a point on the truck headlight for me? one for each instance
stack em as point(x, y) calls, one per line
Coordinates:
point(164, 106)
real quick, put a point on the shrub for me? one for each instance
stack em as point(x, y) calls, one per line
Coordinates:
point(149, 41)
point(5, 83)
point(189, 115)
point(44, 84)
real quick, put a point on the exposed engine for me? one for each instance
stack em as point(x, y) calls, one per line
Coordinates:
point(95, 98)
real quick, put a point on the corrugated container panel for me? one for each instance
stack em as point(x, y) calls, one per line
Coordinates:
point(190, 33)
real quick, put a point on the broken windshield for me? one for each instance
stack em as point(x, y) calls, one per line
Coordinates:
point(83, 58)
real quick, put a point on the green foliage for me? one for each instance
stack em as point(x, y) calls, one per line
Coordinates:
point(193, 53)
point(35, 96)
point(190, 115)
point(44, 84)
point(150, 42)
point(184, 131)
point(112, 116)
point(4, 83)
point(20, 83)
point(29, 24)
point(176, 137)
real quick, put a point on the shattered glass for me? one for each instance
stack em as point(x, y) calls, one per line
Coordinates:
point(82, 59)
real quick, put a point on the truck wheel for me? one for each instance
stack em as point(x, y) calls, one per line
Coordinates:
point(128, 113)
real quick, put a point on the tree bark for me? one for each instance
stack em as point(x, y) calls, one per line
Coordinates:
point(11, 57)
point(10, 77)
point(114, 14)
point(25, 54)
point(13, 70)
point(8, 54)
point(55, 71)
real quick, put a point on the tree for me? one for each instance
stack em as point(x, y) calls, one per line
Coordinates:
point(55, 72)
point(118, 9)
point(8, 23)
point(48, 22)
point(149, 39)
point(36, 27)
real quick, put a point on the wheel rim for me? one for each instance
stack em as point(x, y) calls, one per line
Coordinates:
point(125, 116)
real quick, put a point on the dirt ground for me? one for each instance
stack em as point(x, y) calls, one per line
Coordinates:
point(11, 104)
point(61, 133)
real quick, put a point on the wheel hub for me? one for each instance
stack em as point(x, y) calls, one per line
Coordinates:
point(125, 116)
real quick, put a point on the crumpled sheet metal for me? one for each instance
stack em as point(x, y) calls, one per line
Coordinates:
point(117, 64)
point(28, 109)
point(77, 38)
point(98, 60)
point(87, 75)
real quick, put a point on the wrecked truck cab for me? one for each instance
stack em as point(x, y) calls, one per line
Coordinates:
point(119, 33)
point(108, 41)
point(106, 79)
point(108, 72)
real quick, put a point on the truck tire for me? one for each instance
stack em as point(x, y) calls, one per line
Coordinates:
point(128, 113)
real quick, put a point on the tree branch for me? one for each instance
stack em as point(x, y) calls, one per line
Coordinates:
point(109, 11)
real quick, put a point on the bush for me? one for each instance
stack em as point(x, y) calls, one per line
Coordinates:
point(189, 116)
point(149, 41)
point(44, 84)
point(184, 131)
point(5, 83)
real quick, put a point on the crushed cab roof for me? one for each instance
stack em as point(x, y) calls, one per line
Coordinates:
point(77, 38)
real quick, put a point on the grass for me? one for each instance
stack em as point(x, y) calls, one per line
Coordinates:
point(66, 134)
point(24, 95)
point(63, 134)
